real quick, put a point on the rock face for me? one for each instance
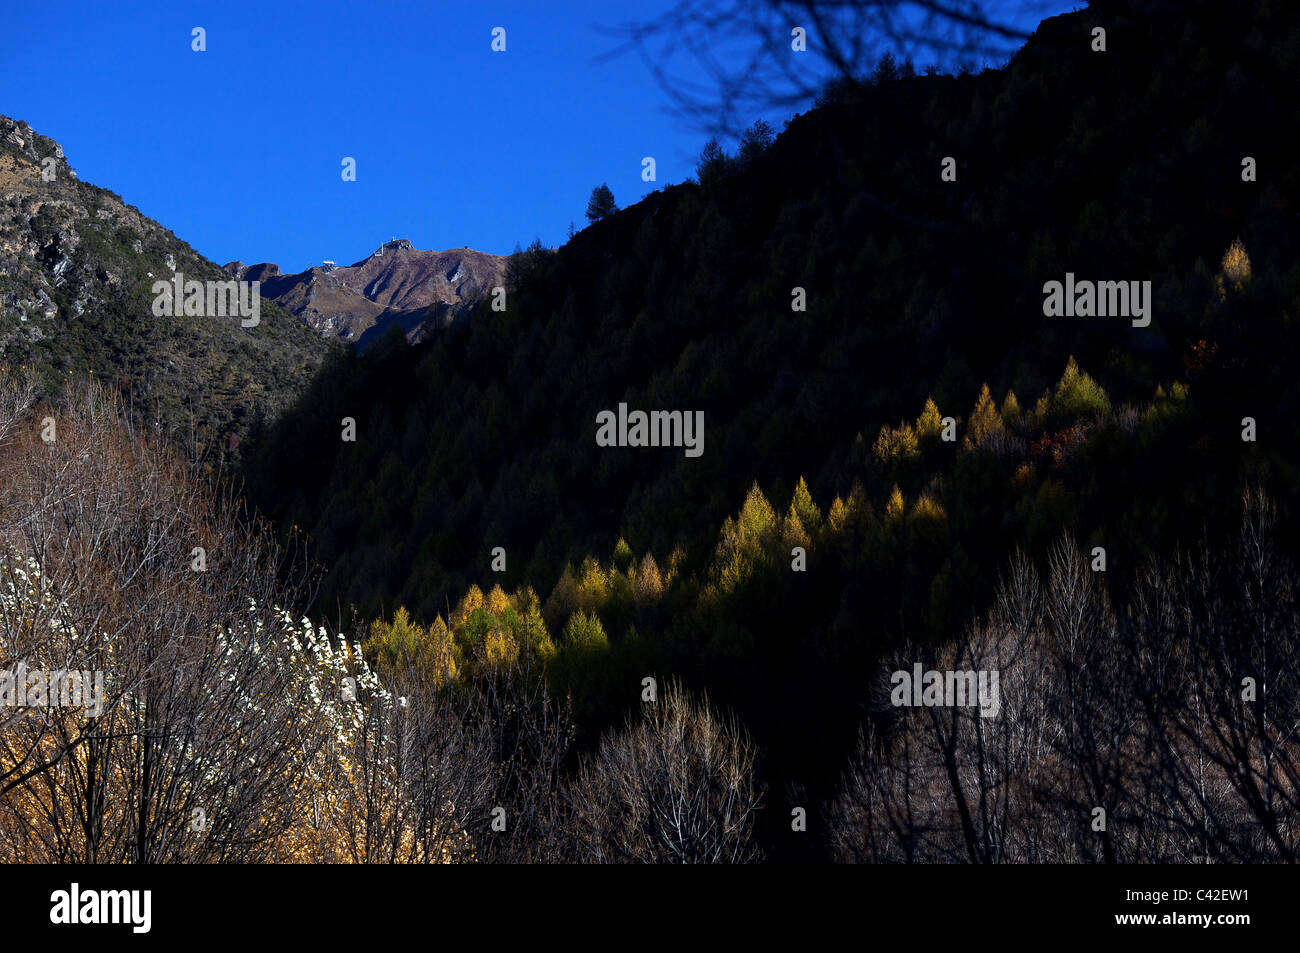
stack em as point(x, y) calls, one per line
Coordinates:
point(77, 267)
point(398, 283)
point(262, 272)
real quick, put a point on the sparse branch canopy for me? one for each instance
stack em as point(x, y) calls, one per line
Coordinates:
point(722, 60)
point(676, 786)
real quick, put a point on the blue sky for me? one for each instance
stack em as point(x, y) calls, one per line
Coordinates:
point(238, 149)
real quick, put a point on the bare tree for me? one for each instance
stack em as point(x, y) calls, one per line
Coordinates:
point(447, 771)
point(1219, 657)
point(226, 730)
point(195, 748)
point(1163, 733)
point(947, 783)
point(678, 786)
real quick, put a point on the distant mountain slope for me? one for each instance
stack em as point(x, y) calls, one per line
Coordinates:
point(77, 266)
point(396, 284)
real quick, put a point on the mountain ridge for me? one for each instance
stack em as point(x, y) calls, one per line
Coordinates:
point(417, 289)
point(77, 270)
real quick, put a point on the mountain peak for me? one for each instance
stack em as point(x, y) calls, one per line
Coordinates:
point(396, 283)
point(397, 244)
point(77, 269)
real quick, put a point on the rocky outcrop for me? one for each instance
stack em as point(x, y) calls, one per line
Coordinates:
point(261, 272)
point(397, 283)
point(77, 266)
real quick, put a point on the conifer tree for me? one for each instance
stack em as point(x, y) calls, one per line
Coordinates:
point(601, 205)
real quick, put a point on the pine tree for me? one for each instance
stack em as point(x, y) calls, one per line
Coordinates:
point(648, 587)
point(755, 141)
point(1011, 410)
point(930, 424)
point(1234, 269)
point(984, 420)
point(886, 70)
point(713, 165)
point(803, 507)
point(601, 204)
point(1078, 395)
point(622, 555)
point(894, 508)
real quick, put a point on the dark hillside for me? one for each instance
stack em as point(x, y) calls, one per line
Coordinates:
point(1118, 166)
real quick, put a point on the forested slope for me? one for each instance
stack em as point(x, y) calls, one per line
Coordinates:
point(1126, 165)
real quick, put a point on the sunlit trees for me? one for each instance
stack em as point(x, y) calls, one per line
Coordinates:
point(896, 443)
point(227, 729)
point(1234, 269)
point(984, 421)
point(746, 542)
point(402, 644)
point(117, 561)
point(1076, 395)
point(648, 586)
point(446, 772)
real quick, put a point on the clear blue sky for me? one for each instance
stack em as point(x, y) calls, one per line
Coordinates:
point(238, 149)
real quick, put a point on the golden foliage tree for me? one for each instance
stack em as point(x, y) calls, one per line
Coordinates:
point(984, 420)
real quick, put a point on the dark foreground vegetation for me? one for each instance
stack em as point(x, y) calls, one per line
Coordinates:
point(230, 730)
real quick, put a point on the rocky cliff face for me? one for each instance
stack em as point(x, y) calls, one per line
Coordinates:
point(77, 266)
point(262, 272)
point(398, 283)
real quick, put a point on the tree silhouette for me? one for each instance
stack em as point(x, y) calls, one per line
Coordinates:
point(601, 204)
point(770, 67)
point(755, 141)
point(713, 164)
